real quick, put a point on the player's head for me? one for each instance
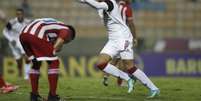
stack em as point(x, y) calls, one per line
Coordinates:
point(20, 14)
point(72, 34)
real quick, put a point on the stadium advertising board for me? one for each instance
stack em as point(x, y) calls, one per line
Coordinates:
point(153, 64)
point(172, 64)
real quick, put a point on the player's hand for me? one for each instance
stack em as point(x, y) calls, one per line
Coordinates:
point(135, 42)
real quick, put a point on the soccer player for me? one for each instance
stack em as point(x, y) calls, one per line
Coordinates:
point(127, 16)
point(41, 40)
point(5, 87)
point(120, 43)
point(11, 33)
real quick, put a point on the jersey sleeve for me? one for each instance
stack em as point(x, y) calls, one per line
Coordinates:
point(64, 34)
point(129, 13)
point(106, 5)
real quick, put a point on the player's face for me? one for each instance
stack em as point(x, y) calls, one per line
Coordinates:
point(20, 16)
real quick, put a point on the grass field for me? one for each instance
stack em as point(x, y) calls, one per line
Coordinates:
point(91, 89)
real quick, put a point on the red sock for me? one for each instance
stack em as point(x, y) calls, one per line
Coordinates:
point(34, 77)
point(53, 79)
point(132, 70)
point(2, 82)
point(53, 76)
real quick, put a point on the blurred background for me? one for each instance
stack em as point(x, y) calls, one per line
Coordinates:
point(169, 35)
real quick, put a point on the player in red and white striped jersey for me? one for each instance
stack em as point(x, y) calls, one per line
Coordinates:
point(41, 39)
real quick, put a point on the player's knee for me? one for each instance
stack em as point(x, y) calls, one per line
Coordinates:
point(101, 65)
point(53, 64)
point(132, 70)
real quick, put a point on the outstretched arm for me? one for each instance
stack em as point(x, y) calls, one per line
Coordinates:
point(105, 5)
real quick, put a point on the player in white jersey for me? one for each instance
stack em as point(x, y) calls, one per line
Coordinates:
point(120, 43)
point(127, 15)
point(11, 33)
point(4, 86)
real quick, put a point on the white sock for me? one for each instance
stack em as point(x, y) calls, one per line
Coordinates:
point(27, 68)
point(111, 69)
point(144, 79)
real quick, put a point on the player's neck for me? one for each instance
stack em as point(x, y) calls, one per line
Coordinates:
point(20, 20)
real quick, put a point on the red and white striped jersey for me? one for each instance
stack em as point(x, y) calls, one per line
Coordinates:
point(126, 11)
point(45, 28)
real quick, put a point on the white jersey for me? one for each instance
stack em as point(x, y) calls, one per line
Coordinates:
point(16, 27)
point(12, 33)
point(114, 23)
point(120, 36)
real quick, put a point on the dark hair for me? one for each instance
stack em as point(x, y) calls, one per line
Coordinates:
point(20, 9)
point(73, 32)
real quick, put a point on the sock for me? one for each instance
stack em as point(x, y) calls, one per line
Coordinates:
point(144, 79)
point(53, 79)
point(111, 69)
point(34, 77)
point(2, 82)
point(27, 68)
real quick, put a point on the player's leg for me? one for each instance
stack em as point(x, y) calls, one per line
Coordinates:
point(27, 67)
point(34, 79)
point(19, 66)
point(118, 63)
point(106, 75)
point(53, 73)
point(141, 76)
point(105, 79)
point(128, 61)
point(34, 76)
point(27, 64)
point(109, 51)
point(34, 73)
point(104, 65)
point(18, 57)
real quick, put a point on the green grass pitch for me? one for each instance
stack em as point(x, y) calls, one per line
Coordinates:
point(91, 89)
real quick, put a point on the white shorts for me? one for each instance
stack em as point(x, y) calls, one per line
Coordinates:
point(17, 50)
point(119, 48)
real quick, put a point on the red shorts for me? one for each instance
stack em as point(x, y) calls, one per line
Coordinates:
point(36, 48)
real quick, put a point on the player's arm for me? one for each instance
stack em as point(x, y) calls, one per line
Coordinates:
point(6, 32)
point(63, 35)
point(132, 28)
point(58, 44)
point(130, 23)
point(105, 5)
